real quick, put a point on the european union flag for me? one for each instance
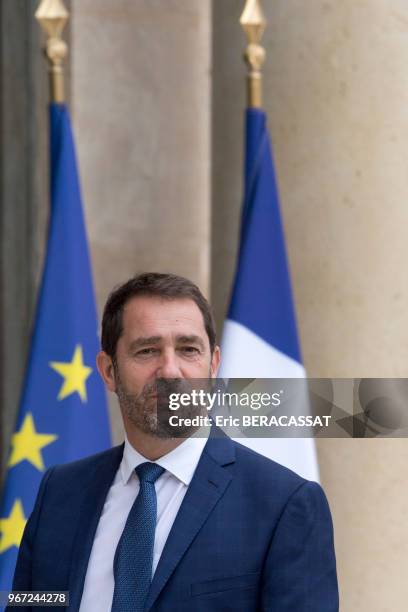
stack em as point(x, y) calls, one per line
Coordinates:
point(260, 337)
point(63, 413)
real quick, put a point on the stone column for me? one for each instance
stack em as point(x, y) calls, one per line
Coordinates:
point(141, 107)
point(23, 197)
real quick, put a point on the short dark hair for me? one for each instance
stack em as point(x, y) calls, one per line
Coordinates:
point(166, 286)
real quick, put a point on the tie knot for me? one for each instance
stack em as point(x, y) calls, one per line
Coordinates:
point(149, 472)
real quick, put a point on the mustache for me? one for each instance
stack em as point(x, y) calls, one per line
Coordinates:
point(165, 386)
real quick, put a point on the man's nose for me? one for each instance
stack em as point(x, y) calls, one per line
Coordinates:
point(169, 365)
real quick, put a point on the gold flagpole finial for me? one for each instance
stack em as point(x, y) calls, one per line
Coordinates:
point(253, 23)
point(52, 16)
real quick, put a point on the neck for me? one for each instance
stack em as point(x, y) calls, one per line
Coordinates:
point(149, 446)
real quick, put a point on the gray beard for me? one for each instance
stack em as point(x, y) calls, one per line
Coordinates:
point(151, 414)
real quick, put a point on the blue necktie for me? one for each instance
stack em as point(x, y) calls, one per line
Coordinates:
point(133, 563)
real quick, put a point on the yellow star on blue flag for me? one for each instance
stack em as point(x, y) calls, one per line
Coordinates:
point(27, 444)
point(12, 527)
point(74, 374)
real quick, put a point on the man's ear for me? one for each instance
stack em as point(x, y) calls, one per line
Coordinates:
point(215, 362)
point(106, 370)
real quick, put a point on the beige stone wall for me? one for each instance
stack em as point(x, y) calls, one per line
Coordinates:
point(336, 91)
point(141, 108)
point(337, 88)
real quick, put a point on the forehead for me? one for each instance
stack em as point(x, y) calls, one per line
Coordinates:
point(151, 316)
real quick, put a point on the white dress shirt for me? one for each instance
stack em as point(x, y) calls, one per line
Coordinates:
point(171, 486)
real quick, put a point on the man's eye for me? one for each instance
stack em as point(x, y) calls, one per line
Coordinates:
point(191, 350)
point(145, 352)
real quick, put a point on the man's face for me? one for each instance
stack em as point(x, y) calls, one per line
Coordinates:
point(161, 339)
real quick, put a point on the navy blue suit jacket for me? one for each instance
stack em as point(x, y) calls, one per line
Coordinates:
point(250, 536)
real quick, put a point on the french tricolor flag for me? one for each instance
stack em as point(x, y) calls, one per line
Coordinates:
point(260, 338)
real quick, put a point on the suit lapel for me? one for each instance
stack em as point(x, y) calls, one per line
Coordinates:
point(95, 492)
point(209, 483)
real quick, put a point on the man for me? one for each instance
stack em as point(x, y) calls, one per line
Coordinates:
point(166, 524)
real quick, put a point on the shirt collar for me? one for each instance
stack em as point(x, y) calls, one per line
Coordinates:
point(181, 462)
